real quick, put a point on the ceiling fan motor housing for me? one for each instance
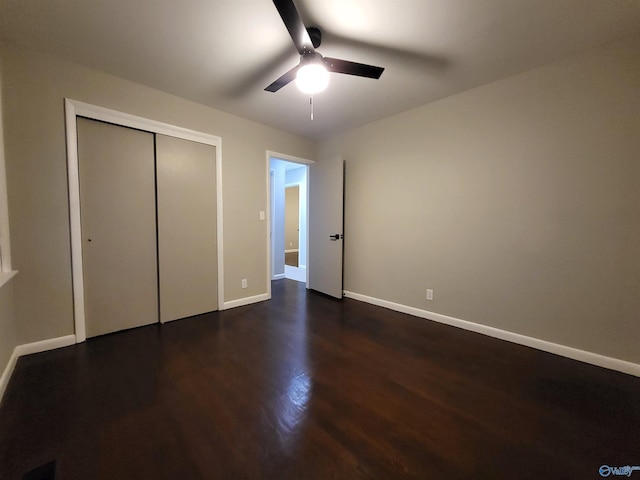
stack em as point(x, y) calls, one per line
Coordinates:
point(316, 36)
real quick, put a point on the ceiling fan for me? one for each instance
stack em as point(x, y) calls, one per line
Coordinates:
point(312, 73)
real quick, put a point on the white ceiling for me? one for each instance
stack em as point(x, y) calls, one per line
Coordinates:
point(222, 53)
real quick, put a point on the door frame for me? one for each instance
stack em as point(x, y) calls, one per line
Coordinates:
point(74, 109)
point(293, 159)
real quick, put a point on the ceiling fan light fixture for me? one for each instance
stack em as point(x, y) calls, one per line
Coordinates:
point(312, 78)
point(312, 73)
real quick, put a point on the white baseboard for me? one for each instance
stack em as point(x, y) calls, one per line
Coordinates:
point(569, 352)
point(245, 301)
point(45, 345)
point(279, 276)
point(6, 375)
point(28, 349)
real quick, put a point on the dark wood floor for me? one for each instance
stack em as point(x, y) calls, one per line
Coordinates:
point(308, 387)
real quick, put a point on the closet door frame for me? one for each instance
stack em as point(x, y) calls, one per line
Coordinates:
point(74, 109)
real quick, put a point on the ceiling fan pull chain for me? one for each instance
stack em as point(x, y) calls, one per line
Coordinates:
point(311, 105)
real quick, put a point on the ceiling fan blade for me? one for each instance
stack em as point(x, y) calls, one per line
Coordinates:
point(283, 80)
point(352, 68)
point(293, 22)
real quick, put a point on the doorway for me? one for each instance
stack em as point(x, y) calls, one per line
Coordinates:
point(289, 211)
point(295, 227)
point(323, 194)
point(292, 225)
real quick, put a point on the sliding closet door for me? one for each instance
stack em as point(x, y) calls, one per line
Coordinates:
point(187, 251)
point(117, 198)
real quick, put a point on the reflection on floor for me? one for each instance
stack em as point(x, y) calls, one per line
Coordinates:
point(309, 387)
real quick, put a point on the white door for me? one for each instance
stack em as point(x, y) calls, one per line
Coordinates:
point(118, 221)
point(187, 244)
point(326, 210)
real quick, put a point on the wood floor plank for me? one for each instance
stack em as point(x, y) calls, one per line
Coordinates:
point(305, 387)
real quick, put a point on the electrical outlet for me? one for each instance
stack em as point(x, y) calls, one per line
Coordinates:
point(244, 283)
point(429, 294)
point(262, 216)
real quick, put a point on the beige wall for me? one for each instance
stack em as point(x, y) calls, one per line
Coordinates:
point(517, 202)
point(34, 87)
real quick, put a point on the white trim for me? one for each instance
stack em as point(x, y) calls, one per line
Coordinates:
point(8, 371)
point(5, 240)
point(279, 276)
point(141, 123)
point(6, 276)
point(293, 250)
point(288, 158)
point(28, 349)
point(74, 219)
point(269, 219)
point(45, 345)
point(245, 301)
point(220, 223)
point(75, 108)
point(306, 189)
point(562, 350)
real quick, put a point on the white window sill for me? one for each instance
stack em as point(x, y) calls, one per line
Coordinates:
point(6, 276)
